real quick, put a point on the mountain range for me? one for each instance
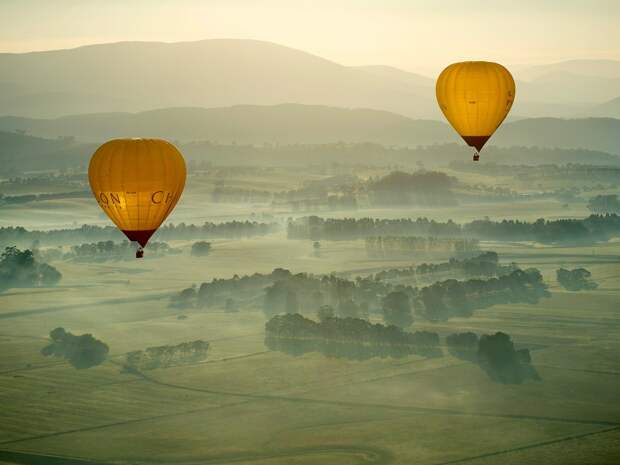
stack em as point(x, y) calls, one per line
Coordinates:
point(311, 124)
point(140, 76)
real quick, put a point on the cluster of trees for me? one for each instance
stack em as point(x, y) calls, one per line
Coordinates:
point(45, 183)
point(352, 338)
point(452, 298)
point(605, 203)
point(20, 269)
point(332, 193)
point(200, 249)
point(592, 228)
point(166, 356)
point(496, 355)
point(397, 246)
point(426, 188)
point(25, 198)
point(182, 231)
point(282, 292)
point(230, 194)
point(82, 351)
point(571, 172)
point(486, 264)
point(316, 228)
point(575, 280)
point(109, 250)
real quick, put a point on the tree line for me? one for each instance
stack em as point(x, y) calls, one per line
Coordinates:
point(593, 228)
point(351, 338)
point(166, 356)
point(19, 235)
point(103, 251)
point(357, 339)
point(396, 246)
point(485, 264)
point(396, 302)
point(451, 298)
point(20, 268)
point(604, 204)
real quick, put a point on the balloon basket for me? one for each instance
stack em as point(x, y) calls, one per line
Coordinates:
point(476, 157)
point(140, 253)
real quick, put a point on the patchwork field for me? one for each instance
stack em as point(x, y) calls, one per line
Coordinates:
point(246, 404)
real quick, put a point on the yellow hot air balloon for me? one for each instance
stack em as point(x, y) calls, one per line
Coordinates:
point(475, 97)
point(137, 183)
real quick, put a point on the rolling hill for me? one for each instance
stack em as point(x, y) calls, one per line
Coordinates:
point(136, 76)
point(304, 124)
point(140, 76)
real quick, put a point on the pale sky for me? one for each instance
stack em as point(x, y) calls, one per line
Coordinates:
point(416, 35)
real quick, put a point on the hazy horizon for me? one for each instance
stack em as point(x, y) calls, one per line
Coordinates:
point(391, 33)
point(268, 233)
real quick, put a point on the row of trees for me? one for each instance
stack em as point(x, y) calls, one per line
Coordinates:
point(485, 264)
point(231, 229)
point(451, 298)
point(103, 251)
point(167, 355)
point(396, 246)
point(605, 203)
point(284, 292)
point(346, 337)
point(82, 351)
point(358, 339)
point(593, 228)
point(21, 269)
point(25, 198)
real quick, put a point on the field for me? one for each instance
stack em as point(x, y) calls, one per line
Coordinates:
point(247, 405)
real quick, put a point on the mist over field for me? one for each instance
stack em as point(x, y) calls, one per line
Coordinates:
point(339, 283)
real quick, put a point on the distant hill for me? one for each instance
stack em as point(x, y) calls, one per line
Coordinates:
point(20, 152)
point(567, 89)
point(137, 76)
point(609, 109)
point(292, 124)
point(140, 76)
point(244, 124)
point(601, 134)
point(591, 68)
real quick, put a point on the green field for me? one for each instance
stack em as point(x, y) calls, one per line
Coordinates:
point(248, 405)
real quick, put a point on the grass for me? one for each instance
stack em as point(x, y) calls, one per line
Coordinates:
point(246, 405)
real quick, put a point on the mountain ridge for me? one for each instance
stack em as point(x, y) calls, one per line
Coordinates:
point(298, 124)
point(141, 75)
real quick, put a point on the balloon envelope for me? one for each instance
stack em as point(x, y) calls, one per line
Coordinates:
point(475, 97)
point(137, 183)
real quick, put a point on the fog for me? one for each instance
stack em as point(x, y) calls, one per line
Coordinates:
point(339, 283)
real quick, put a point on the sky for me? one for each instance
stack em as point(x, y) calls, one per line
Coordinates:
point(415, 35)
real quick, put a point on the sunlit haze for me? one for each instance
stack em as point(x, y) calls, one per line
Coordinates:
point(416, 35)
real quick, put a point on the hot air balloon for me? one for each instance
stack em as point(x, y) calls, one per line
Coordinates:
point(137, 183)
point(475, 97)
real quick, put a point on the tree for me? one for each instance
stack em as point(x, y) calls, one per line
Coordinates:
point(397, 309)
point(498, 357)
point(20, 269)
point(348, 309)
point(325, 312)
point(81, 351)
point(575, 280)
point(292, 304)
point(200, 249)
